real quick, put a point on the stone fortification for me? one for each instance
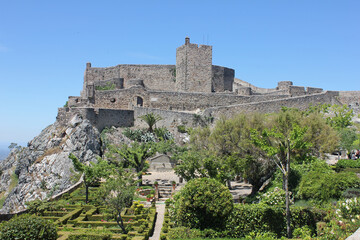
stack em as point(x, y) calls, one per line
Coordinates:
point(193, 67)
point(117, 95)
point(270, 106)
point(154, 76)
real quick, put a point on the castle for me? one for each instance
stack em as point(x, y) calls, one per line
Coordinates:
point(117, 96)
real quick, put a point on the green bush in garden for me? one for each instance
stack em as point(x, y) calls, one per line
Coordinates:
point(248, 218)
point(259, 218)
point(276, 197)
point(203, 203)
point(348, 163)
point(349, 208)
point(322, 187)
point(87, 236)
point(28, 227)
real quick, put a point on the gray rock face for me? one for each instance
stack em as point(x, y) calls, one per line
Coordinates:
point(43, 168)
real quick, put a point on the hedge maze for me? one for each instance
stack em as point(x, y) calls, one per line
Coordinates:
point(76, 220)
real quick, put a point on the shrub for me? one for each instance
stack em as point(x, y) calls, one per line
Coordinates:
point(261, 236)
point(181, 129)
point(249, 218)
point(165, 228)
point(141, 229)
point(324, 186)
point(303, 232)
point(108, 86)
point(203, 203)
point(351, 193)
point(163, 134)
point(348, 163)
point(134, 135)
point(276, 197)
point(183, 233)
point(91, 236)
point(28, 227)
point(39, 207)
point(348, 208)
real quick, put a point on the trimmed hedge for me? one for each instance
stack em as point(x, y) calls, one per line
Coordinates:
point(348, 163)
point(89, 236)
point(69, 216)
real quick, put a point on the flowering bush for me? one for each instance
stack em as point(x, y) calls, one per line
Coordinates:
point(349, 208)
point(276, 197)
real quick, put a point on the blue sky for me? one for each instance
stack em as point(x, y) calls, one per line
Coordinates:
point(44, 46)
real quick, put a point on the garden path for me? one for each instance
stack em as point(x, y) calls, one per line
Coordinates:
point(160, 209)
point(354, 236)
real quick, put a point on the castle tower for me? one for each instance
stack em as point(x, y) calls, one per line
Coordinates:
point(193, 67)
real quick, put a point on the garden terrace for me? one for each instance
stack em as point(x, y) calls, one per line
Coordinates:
point(75, 219)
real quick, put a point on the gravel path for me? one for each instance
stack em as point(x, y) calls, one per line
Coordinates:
point(160, 209)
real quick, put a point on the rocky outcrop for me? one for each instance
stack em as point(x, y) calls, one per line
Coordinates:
point(43, 169)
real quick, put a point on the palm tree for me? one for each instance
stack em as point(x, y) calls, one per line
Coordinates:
point(151, 119)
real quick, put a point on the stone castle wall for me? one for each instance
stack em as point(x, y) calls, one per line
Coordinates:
point(159, 77)
point(351, 99)
point(270, 106)
point(170, 119)
point(222, 79)
point(154, 76)
point(181, 101)
point(100, 118)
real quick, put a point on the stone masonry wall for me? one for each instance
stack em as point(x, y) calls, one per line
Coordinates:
point(100, 118)
point(170, 119)
point(121, 99)
point(154, 76)
point(301, 102)
point(181, 101)
point(193, 67)
point(222, 79)
point(351, 99)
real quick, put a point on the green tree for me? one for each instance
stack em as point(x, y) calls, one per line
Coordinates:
point(347, 138)
point(28, 227)
point(342, 116)
point(92, 173)
point(135, 156)
point(281, 142)
point(323, 137)
point(118, 193)
point(191, 165)
point(203, 203)
point(150, 119)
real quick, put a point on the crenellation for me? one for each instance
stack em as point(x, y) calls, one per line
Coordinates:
point(296, 91)
point(312, 90)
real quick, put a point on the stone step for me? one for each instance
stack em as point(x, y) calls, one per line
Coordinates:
point(165, 190)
